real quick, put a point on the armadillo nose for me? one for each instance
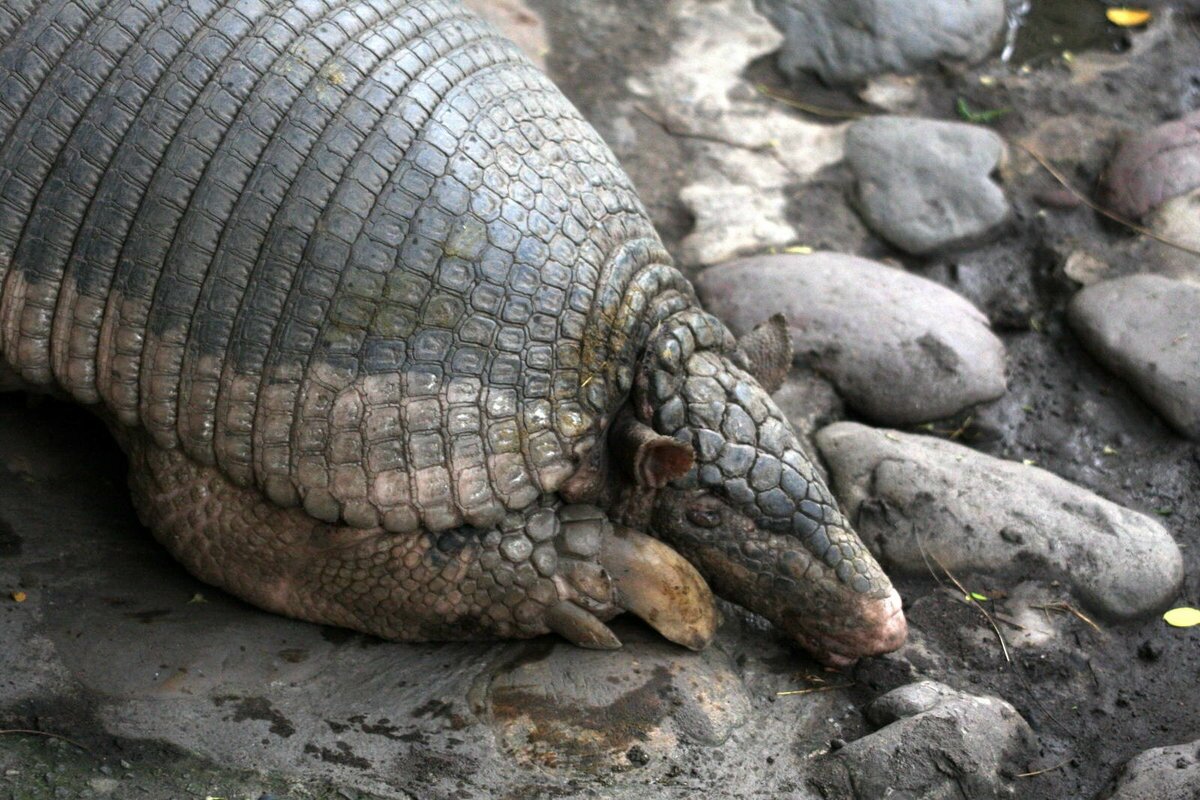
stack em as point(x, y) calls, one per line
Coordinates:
point(887, 625)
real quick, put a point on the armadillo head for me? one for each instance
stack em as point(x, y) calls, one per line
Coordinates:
point(734, 492)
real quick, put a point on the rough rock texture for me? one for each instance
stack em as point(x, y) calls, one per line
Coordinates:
point(1177, 220)
point(844, 41)
point(1154, 166)
point(925, 185)
point(1163, 773)
point(900, 349)
point(1143, 327)
point(916, 497)
point(935, 742)
point(747, 152)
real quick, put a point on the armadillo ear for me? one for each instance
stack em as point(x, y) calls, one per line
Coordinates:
point(768, 352)
point(651, 459)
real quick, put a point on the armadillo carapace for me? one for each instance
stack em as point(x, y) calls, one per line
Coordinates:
point(388, 336)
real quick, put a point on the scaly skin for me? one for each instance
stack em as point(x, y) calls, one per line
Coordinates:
point(362, 295)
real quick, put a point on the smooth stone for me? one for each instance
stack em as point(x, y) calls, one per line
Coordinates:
point(1163, 773)
point(935, 742)
point(1143, 327)
point(845, 41)
point(1176, 220)
point(1153, 166)
point(926, 185)
point(899, 348)
point(919, 500)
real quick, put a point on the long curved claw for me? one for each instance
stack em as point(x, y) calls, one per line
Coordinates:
point(660, 586)
point(581, 627)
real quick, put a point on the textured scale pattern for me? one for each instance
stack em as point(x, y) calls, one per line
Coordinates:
point(746, 451)
point(357, 254)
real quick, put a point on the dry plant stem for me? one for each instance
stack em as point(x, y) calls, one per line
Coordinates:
point(974, 602)
point(819, 111)
point(1099, 209)
point(1049, 769)
point(1067, 608)
point(813, 689)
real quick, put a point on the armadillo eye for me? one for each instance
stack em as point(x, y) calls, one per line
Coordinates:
point(704, 517)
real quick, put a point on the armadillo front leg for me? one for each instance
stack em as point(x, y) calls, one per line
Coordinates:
point(551, 567)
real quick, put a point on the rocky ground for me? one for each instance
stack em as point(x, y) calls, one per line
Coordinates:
point(1003, 385)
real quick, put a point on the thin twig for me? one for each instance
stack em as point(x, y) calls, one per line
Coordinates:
point(47, 734)
point(1043, 771)
point(813, 689)
point(832, 113)
point(976, 603)
point(1099, 209)
point(1067, 608)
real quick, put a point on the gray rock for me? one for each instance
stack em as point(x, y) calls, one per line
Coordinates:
point(915, 498)
point(1143, 327)
point(845, 41)
point(925, 185)
point(936, 743)
point(1151, 167)
point(1164, 773)
point(900, 349)
point(1177, 220)
point(588, 713)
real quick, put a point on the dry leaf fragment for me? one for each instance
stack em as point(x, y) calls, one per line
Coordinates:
point(1128, 17)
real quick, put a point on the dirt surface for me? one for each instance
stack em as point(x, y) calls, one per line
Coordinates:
point(1094, 697)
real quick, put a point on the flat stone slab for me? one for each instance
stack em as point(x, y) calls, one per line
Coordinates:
point(926, 185)
point(899, 348)
point(844, 41)
point(914, 498)
point(1144, 328)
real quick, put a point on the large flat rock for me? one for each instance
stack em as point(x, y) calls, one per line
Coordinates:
point(920, 500)
point(115, 643)
point(899, 348)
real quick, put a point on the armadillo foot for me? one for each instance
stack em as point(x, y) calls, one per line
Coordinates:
point(550, 567)
point(660, 586)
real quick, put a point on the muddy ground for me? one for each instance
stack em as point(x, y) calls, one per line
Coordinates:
point(1095, 698)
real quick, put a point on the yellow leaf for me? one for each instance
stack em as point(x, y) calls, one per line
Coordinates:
point(1182, 617)
point(1127, 17)
point(798, 250)
point(19, 597)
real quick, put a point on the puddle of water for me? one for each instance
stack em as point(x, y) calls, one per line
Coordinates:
point(1042, 29)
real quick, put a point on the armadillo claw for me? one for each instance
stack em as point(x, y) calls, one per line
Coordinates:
point(580, 627)
point(660, 586)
